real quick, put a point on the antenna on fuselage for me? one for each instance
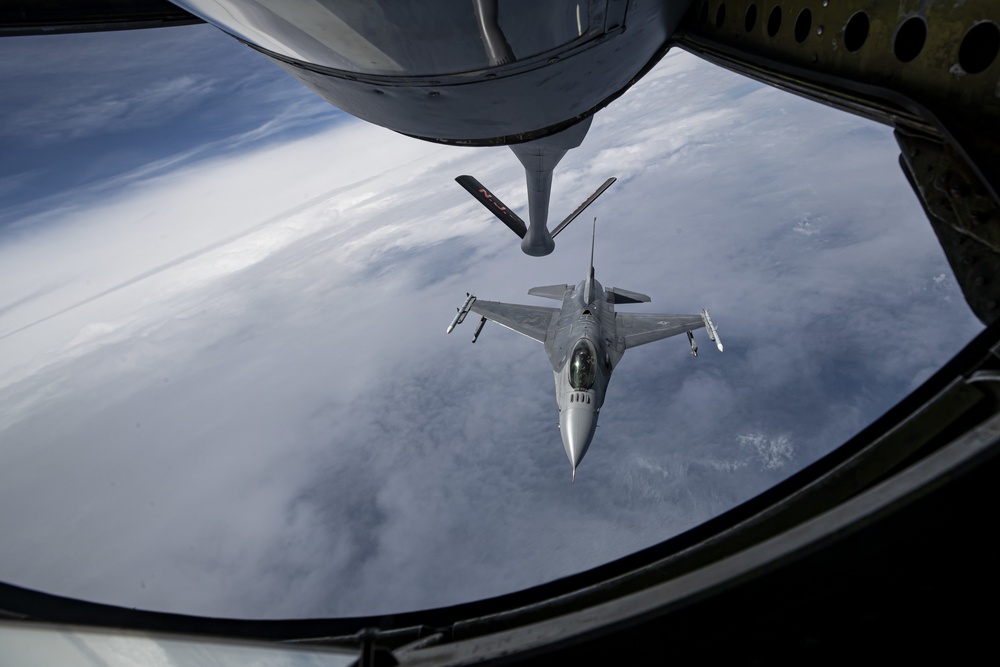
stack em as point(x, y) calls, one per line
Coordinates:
point(588, 288)
point(593, 240)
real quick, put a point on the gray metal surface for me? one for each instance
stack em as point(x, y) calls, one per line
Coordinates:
point(423, 69)
point(584, 340)
point(539, 160)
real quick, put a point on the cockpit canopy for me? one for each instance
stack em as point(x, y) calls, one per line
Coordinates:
point(583, 365)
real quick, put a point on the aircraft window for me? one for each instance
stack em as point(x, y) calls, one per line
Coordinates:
point(751, 18)
point(979, 47)
point(202, 436)
point(376, 36)
point(583, 365)
point(910, 38)
point(774, 22)
point(856, 31)
point(802, 25)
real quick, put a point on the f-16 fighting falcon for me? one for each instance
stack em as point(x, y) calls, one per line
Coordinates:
point(584, 340)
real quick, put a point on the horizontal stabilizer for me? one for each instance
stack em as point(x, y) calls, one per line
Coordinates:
point(556, 292)
point(619, 295)
point(496, 207)
point(580, 209)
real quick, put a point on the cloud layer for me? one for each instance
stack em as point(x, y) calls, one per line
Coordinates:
point(79, 110)
point(228, 391)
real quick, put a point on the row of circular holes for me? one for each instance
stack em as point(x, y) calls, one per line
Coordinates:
point(979, 48)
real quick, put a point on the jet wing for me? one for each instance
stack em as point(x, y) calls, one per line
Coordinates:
point(641, 328)
point(530, 321)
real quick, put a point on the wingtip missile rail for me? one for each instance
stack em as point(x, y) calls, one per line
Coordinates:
point(462, 312)
point(713, 332)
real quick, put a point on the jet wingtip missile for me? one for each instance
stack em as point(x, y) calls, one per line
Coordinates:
point(462, 312)
point(713, 331)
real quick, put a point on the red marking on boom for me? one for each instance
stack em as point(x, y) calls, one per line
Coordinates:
point(487, 194)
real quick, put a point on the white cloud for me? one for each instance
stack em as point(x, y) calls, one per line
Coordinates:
point(237, 393)
point(772, 453)
point(85, 113)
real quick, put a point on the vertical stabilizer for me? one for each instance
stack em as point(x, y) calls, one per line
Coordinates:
point(588, 288)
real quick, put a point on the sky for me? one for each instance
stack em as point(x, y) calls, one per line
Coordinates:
point(225, 382)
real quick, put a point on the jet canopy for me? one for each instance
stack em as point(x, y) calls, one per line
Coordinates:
point(583, 365)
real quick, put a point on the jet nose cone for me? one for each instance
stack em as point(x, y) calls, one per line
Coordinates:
point(577, 426)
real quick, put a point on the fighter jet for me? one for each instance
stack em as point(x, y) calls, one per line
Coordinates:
point(584, 340)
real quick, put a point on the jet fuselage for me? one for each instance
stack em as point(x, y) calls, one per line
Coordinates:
point(583, 356)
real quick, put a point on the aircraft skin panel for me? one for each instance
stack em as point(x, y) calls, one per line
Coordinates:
point(530, 321)
point(619, 295)
point(641, 328)
point(556, 292)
